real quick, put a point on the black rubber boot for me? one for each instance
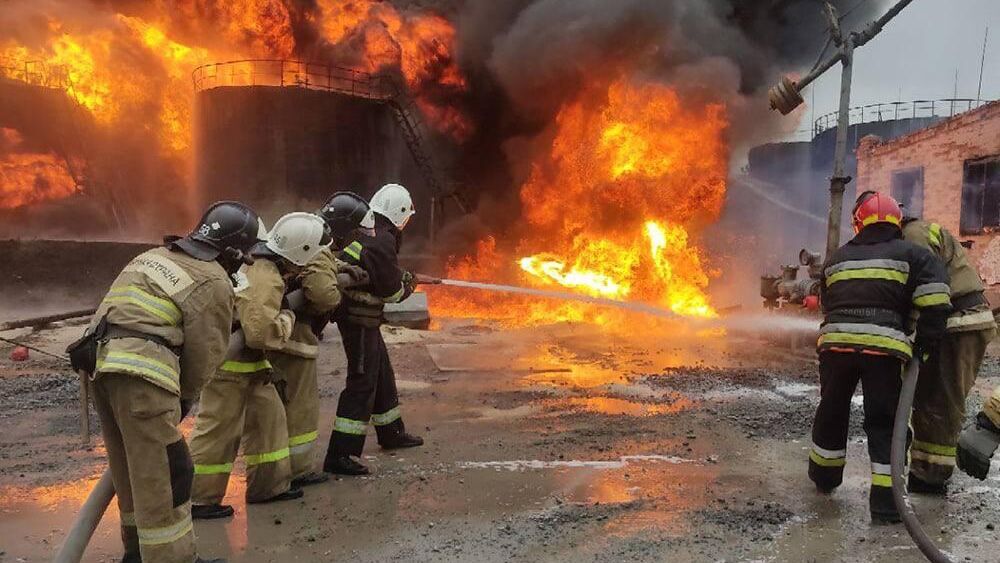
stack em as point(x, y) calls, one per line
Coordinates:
point(883, 508)
point(290, 494)
point(917, 485)
point(402, 440)
point(310, 479)
point(344, 465)
point(211, 511)
point(132, 558)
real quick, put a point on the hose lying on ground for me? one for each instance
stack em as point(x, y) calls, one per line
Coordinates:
point(86, 521)
point(900, 430)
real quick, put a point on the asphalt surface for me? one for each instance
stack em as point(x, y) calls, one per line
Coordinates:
point(560, 443)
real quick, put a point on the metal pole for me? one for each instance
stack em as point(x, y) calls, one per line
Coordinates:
point(838, 181)
point(982, 63)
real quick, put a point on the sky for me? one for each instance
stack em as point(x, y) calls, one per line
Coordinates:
point(916, 55)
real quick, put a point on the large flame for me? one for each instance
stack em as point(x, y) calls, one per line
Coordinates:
point(609, 209)
point(131, 69)
point(45, 175)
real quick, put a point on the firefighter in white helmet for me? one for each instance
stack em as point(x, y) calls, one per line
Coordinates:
point(241, 399)
point(370, 393)
point(314, 295)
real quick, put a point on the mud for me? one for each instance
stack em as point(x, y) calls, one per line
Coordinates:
point(559, 443)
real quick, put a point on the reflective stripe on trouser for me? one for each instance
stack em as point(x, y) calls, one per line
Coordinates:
point(150, 466)
point(840, 373)
point(939, 404)
point(864, 336)
point(370, 389)
point(234, 410)
point(301, 399)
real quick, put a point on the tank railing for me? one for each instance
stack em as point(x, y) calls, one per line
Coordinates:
point(888, 111)
point(35, 73)
point(294, 74)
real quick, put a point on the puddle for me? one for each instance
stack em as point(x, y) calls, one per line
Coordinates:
point(535, 464)
point(621, 407)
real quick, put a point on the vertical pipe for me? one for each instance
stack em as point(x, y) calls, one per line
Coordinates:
point(838, 181)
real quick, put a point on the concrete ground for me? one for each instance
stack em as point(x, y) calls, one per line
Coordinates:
point(559, 443)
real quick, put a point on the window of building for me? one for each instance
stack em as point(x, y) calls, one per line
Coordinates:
point(981, 196)
point(908, 189)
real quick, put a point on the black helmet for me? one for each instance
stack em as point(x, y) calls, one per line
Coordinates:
point(344, 212)
point(227, 228)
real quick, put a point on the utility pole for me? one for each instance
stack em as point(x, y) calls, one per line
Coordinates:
point(982, 63)
point(786, 96)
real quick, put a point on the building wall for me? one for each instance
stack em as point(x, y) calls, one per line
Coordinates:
point(941, 150)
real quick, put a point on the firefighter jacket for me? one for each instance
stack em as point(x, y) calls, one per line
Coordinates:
point(971, 311)
point(869, 288)
point(266, 326)
point(319, 282)
point(184, 305)
point(388, 283)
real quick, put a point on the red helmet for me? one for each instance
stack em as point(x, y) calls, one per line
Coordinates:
point(874, 207)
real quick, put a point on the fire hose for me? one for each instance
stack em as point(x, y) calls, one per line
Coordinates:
point(897, 458)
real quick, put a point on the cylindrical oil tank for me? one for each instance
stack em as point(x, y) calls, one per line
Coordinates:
point(282, 148)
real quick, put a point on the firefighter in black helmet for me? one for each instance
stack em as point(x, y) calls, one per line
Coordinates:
point(161, 331)
point(370, 393)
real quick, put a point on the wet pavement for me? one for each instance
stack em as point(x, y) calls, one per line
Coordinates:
point(560, 443)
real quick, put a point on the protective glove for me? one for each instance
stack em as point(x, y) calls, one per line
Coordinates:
point(349, 275)
point(294, 300)
point(286, 319)
point(976, 446)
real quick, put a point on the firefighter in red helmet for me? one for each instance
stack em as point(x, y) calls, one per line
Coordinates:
point(869, 288)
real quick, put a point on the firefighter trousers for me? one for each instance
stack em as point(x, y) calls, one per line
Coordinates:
point(369, 394)
point(239, 408)
point(939, 405)
point(300, 394)
point(150, 466)
point(839, 373)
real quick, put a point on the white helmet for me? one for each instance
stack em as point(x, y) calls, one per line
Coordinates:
point(298, 237)
point(393, 202)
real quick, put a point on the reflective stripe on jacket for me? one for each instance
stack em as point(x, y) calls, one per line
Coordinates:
point(258, 310)
point(869, 288)
point(319, 283)
point(388, 283)
point(185, 302)
point(964, 279)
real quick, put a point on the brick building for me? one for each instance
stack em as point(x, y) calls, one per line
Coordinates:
point(948, 173)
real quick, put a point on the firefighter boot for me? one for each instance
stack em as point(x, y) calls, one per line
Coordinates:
point(883, 508)
point(344, 465)
point(312, 478)
point(290, 494)
point(211, 511)
point(402, 440)
point(917, 485)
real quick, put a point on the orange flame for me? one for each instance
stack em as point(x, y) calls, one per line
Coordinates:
point(28, 177)
point(610, 208)
point(421, 45)
point(132, 71)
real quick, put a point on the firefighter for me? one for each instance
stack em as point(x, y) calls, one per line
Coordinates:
point(295, 365)
point(159, 333)
point(868, 289)
point(370, 392)
point(979, 442)
point(948, 375)
point(240, 399)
